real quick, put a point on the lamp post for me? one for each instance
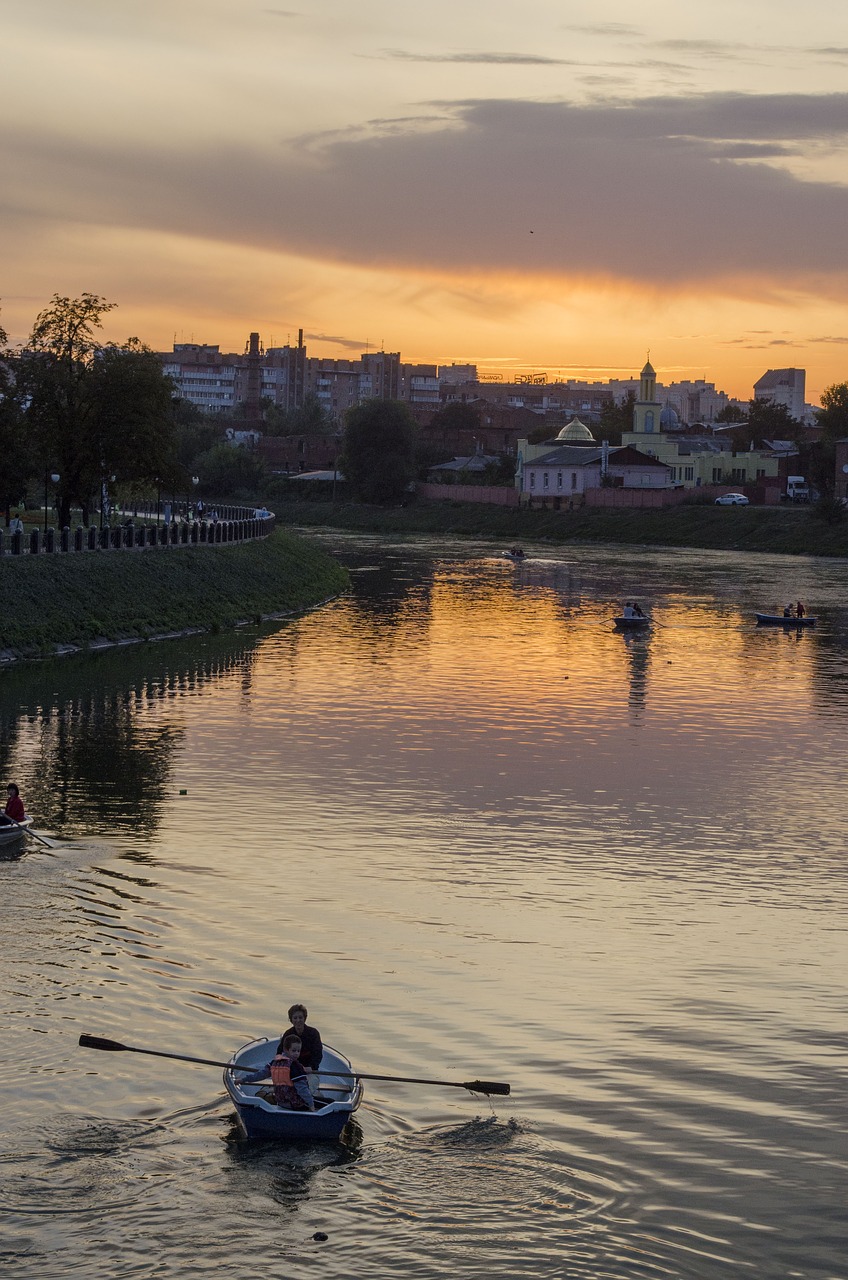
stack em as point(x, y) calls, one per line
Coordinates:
point(48, 476)
point(195, 481)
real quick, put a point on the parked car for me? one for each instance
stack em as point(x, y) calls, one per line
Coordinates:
point(732, 500)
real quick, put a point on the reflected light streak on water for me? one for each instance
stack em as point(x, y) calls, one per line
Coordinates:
point(481, 833)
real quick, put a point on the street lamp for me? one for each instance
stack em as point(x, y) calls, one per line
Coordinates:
point(48, 476)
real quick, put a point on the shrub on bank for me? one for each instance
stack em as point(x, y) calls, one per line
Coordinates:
point(73, 600)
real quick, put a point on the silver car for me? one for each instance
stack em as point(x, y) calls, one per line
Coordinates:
point(732, 500)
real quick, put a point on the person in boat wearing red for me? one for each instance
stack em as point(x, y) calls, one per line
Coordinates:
point(290, 1081)
point(14, 811)
point(312, 1050)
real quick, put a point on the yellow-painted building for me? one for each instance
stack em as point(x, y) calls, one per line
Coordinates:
point(695, 459)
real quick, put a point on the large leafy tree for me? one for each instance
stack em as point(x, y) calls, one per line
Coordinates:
point(378, 451)
point(228, 471)
point(765, 420)
point(15, 449)
point(309, 419)
point(833, 420)
point(94, 410)
point(616, 418)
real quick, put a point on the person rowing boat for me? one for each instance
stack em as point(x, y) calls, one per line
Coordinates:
point(14, 813)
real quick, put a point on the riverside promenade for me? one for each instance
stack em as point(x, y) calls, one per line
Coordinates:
point(227, 524)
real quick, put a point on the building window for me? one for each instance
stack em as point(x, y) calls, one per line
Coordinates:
point(559, 479)
point(649, 420)
point(574, 480)
point(689, 473)
point(546, 480)
point(532, 479)
point(716, 475)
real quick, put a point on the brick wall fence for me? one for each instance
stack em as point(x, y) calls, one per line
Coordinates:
point(499, 495)
point(234, 524)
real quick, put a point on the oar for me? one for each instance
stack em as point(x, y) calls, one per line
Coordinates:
point(476, 1086)
point(114, 1046)
point(28, 831)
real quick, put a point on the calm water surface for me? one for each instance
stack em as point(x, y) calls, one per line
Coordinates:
point(479, 833)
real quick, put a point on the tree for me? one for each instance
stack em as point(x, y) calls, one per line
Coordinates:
point(616, 418)
point(833, 419)
point(19, 463)
point(309, 419)
point(93, 410)
point(455, 417)
point(765, 420)
point(228, 471)
point(731, 413)
point(378, 450)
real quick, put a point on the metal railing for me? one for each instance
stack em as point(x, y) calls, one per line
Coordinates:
point(227, 524)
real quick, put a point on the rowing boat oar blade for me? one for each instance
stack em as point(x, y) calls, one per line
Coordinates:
point(95, 1042)
point(115, 1046)
point(486, 1086)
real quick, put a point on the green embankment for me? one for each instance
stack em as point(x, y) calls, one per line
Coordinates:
point(72, 600)
point(788, 530)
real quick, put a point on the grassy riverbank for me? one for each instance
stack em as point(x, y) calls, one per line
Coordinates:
point(53, 602)
point(788, 530)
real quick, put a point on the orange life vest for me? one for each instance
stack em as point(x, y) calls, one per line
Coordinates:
point(281, 1071)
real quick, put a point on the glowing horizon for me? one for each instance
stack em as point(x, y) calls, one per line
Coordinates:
point(560, 194)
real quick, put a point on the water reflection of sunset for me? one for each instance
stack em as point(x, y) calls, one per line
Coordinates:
point(479, 833)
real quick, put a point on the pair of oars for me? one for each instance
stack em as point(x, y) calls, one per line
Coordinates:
point(475, 1086)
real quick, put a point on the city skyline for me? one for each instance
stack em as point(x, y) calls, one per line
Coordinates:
point(555, 190)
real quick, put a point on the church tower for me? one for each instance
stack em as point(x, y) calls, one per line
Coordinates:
point(647, 409)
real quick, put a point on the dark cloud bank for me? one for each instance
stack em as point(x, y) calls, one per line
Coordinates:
point(666, 190)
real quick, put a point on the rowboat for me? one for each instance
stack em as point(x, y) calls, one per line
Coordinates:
point(517, 557)
point(12, 834)
point(632, 624)
point(778, 620)
point(336, 1100)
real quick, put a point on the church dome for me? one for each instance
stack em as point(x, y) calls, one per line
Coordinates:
point(669, 420)
point(576, 433)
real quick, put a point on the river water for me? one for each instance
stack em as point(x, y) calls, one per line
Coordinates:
point(479, 833)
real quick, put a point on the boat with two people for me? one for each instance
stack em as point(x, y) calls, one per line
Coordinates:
point(632, 618)
point(516, 554)
point(793, 616)
point(337, 1096)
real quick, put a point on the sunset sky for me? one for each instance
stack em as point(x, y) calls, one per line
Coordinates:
point(555, 185)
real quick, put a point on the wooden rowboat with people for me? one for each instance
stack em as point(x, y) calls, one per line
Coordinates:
point(784, 620)
point(337, 1095)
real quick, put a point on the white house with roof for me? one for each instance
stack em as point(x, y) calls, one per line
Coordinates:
point(563, 469)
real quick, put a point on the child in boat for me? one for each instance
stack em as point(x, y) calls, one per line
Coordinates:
point(291, 1086)
point(14, 811)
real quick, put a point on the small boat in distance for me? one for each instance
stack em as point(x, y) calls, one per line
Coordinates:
point(12, 835)
point(516, 554)
point(783, 620)
point(335, 1102)
point(634, 623)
